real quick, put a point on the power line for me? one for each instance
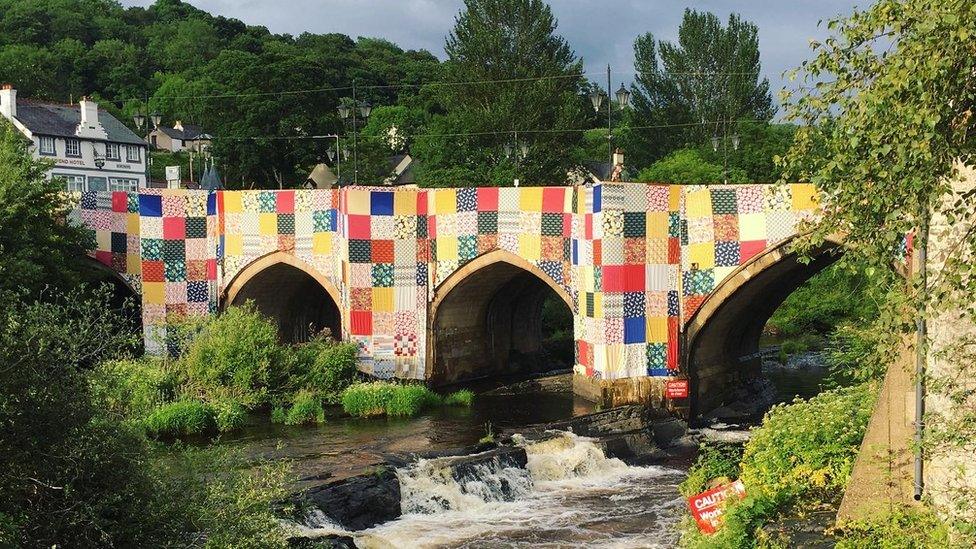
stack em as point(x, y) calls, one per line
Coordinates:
point(307, 91)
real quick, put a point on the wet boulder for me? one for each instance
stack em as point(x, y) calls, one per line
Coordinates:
point(361, 502)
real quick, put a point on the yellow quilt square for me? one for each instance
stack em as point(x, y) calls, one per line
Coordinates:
point(445, 201)
point(447, 248)
point(103, 240)
point(404, 203)
point(232, 202)
point(321, 243)
point(597, 305)
point(657, 224)
point(530, 247)
point(132, 223)
point(530, 199)
point(268, 223)
point(383, 300)
point(702, 253)
point(657, 330)
point(752, 226)
point(133, 264)
point(698, 203)
point(154, 292)
point(234, 244)
point(674, 197)
point(804, 196)
point(357, 202)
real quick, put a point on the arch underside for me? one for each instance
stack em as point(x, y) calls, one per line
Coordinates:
point(293, 298)
point(723, 337)
point(490, 323)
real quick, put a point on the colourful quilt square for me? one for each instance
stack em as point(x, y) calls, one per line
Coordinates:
point(467, 199)
point(553, 199)
point(487, 199)
point(174, 228)
point(381, 203)
point(174, 250)
point(286, 223)
point(724, 201)
point(322, 221)
point(748, 249)
point(360, 251)
point(552, 224)
point(285, 203)
point(726, 254)
point(175, 270)
point(150, 205)
point(382, 251)
point(120, 243)
point(196, 227)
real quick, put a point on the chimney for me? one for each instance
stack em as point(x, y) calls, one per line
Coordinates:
point(8, 101)
point(89, 125)
point(178, 125)
point(618, 157)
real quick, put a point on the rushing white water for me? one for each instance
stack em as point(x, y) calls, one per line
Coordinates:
point(569, 495)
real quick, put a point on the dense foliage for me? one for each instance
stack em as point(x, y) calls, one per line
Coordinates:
point(39, 250)
point(803, 453)
point(381, 398)
point(224, 367)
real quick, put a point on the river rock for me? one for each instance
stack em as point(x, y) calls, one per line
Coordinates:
point(357, 503)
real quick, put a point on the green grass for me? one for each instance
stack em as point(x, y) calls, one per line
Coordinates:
point(182, 417)
point(464, 397)
point(386, 398)
point(306, 408)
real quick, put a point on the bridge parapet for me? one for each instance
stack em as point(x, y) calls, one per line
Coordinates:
point(636, 260)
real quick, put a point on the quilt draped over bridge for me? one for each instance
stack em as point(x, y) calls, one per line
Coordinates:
point(635, 261)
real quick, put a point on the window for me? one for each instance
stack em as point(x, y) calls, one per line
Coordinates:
point(112, 152)
point(132, 153)
point(72, 147)
point(123, 184)
point(97, 184)
point(74, 183)
point(47, 145)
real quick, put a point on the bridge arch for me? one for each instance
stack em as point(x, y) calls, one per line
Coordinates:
point(486, 318)
point(722, 337)
point(291, 292)
point(125, 299)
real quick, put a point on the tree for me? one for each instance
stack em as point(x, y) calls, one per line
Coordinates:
point(759, 145)
point(39, 249)
point(704, 83)
point(507, 71)
point(686, 166)
point(886, 125)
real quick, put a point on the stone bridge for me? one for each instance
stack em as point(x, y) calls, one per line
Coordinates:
point(663, 281)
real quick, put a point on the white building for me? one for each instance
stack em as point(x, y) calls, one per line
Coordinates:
point(91, 149)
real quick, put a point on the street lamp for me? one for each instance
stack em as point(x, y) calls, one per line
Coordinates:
point(623, 102)
point(723, 140)
point(517, 150)
point(155, 118)
point(348, 109)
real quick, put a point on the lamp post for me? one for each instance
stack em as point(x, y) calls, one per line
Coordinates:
point(350, 108)
point(140, 119)
point(519, 151)
point(334, 155)
point(623, 101)
point(724, 142)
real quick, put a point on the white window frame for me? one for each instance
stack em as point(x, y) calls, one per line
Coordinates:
point(46, 140)
point(136, 157)
point(112, 152)
point(127, 184)
point(68, 149)
point(73, 183)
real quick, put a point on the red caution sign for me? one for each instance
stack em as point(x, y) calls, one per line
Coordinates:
point(707, 507)
point(676, 388)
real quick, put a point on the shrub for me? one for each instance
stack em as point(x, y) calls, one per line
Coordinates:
point(464, 397)
point(132, 388)
point(233, 356)
point(229, 414)
point(333, 369)
point(901, 527)
point(306, 408)
point(809, 445)
point(715, 460)
point(182, 417)
point(381, 397)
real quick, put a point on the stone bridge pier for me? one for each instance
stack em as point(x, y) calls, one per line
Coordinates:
point(446, 285)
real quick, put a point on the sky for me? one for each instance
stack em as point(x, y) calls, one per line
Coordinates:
point(600, 32)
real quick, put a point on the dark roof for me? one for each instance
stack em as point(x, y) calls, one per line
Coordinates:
point(409, 176)
point(190, 132)
point(62, 121)
point(603, 170)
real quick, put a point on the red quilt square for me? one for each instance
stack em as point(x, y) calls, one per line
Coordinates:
point(432, 227)
point(633, 277)
point(553, 199)
point(153, 271)
point(674, 251)
point(120, 201)
point(750, 248)
point(613, 278)
point(211, 269)
point(286, 202)
point(174, 228)
point(361, 322)
point(568, 225)
point(587, 226)
point(104, 257)
point(672, 343)
point(598, 252)
point(382, 251)
point(487, 199)
point(692, 303)
point(422, 203)
point(359, 228)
